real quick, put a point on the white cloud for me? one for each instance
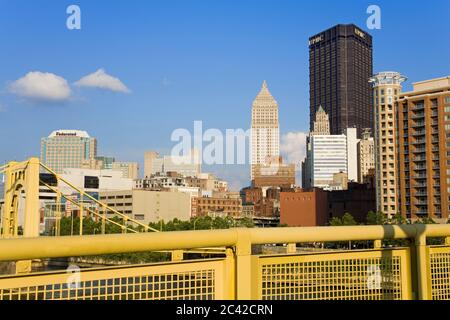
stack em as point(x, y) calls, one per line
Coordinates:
point(293, 146)
point(293, 150)
point(100, 79)
point(41, 87)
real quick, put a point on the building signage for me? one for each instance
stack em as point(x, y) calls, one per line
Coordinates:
point(316, 40)
point(360, 33)
point(66, 134)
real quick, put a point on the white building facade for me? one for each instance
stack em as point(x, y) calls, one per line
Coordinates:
point(352, 154)
point(328, 157)
point(265, 131)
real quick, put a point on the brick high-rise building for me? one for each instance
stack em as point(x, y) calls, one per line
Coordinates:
point(340, 64)
point(423, 117)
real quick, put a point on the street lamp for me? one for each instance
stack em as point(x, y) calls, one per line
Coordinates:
point(195, 221)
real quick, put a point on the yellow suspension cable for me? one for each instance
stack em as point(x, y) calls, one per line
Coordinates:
point(146, 227)
point(87, 209)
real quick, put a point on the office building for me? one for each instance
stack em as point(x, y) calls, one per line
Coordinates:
point(106, 161)
point(93, 181)
point(366, 155)
point(321, 126)
point(316, 207)
point(328, 157)
point(424, 150)
point(189, 165)
point(129, 170)
point(219, 205)
point(265, 131)
point(149, 206)
point(386, 88)
point(67, 149)
point(340, 63)
point(352, 154)
point(277, 174)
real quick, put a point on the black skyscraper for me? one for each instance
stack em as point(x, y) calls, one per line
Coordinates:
point(340, 64)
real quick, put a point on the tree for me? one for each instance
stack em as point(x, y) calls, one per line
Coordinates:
point(398, 219)
point(246, 222)
point(375, 218)
point(425, 220)
point(346, 220)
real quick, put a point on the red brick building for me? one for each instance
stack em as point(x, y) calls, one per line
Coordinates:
point(317, 207)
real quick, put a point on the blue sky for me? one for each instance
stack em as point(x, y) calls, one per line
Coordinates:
point(189, 60)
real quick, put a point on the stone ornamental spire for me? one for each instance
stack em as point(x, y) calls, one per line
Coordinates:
point(322, 123)
point(265, 97)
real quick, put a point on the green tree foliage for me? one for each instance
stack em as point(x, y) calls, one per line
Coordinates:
point(376, 218)
point(346, 220)
point(398, 219)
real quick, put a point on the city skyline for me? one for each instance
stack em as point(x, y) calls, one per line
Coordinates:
point(164, 72)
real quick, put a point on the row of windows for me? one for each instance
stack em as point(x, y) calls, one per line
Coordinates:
point(116, 197)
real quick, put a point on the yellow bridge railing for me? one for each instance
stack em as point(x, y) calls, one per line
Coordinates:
point(416, 271)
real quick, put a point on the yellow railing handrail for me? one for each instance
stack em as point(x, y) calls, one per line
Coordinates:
point(50, 247)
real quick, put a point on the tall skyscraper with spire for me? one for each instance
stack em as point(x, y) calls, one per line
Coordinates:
point(265, 133)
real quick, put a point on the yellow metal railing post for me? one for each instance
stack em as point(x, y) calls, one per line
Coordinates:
point(177, 255)
point(291, 248)
point(377, 244)
point(447, 241)
point(230, 275)
point(243, 265)
point(423, 264)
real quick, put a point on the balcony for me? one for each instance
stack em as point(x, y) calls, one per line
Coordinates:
point(419, 150)
point(421, 194)
point(418, 125)
point(420, 185)
point(419, 141)
point(418, 107)
point(434, 114)
point(419, 133)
